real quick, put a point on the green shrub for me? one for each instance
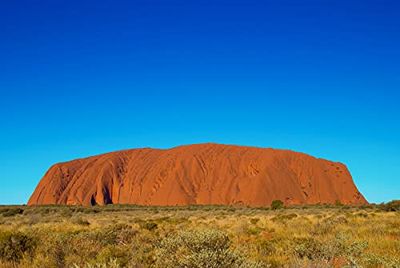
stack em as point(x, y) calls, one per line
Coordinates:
point(314, 249)
point(9, 212)
point(254, 220)
point(13, 246)
point(80, 221)
point(197, 249)
point(254, 230)
point(392, 206)
point(338, 203)
point(308, 248)
point(149, 225)
point(277, 204)
point(341, 246)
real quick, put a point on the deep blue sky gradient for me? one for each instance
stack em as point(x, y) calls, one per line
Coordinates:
point(79, 78)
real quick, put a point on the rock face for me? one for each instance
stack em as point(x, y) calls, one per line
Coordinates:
point(197, 174)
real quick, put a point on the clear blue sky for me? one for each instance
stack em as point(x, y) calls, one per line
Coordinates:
point(79, 78)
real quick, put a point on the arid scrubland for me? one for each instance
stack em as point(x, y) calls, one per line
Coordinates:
point(200, 236)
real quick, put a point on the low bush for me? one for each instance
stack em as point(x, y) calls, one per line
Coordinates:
point(254, 220)
point(391, 206)
point(149, 225)
point(9, 212)
point(277, 204)
point(327, 251)
point(14, 245)
point(197, 249)
point(80, 221)
point(309, 248)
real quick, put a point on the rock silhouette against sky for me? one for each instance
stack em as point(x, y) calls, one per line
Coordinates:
point(197, 174)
